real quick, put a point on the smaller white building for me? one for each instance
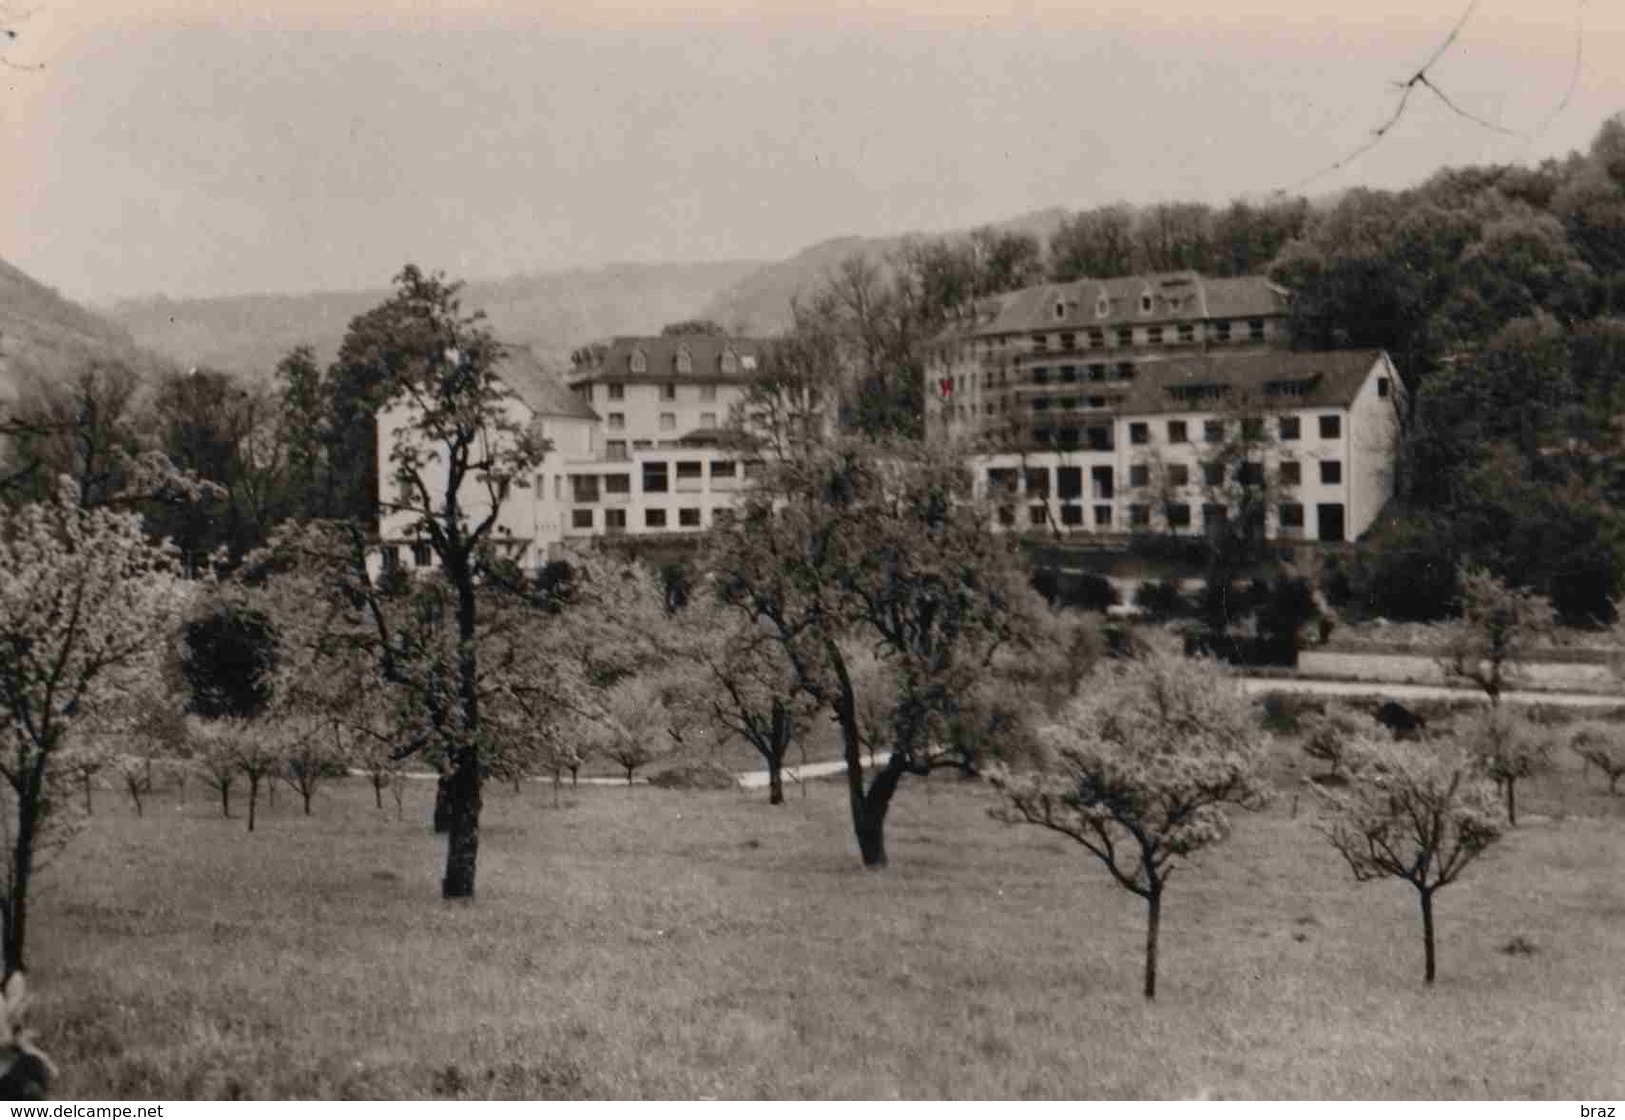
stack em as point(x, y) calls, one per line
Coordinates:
point(1324, 426)
point(533, 516)
point(637, 446)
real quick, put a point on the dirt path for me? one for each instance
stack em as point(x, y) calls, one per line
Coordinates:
point(1378, 690)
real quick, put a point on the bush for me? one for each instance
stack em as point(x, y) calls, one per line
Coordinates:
point(1161, 598)
point(1406, 570)
point(1286, 712)
point(1083, 591)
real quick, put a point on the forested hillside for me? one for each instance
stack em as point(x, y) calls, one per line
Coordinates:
point(44, 335)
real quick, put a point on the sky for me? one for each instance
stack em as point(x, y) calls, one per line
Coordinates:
point(214, 147)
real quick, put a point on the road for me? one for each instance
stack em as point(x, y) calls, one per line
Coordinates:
point(1380, 690)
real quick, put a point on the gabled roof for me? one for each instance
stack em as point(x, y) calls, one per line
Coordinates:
point(1175, 297)
point(660, 359)
point(542, 391)
point(1266, 379)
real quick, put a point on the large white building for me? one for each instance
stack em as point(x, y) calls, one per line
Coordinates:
point(1089, 409)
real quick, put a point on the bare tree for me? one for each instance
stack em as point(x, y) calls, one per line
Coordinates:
point(1419, 811)
point(1488, 643)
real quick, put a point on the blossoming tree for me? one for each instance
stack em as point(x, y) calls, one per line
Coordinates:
point(1140, 771)
point(84, 600)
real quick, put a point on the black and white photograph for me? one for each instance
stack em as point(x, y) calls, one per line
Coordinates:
point(812, 551)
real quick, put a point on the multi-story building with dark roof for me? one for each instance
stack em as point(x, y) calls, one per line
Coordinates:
point(655, 393)
point(1049, 366)
point(1101, 407)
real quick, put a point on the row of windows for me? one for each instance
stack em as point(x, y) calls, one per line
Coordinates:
point(668, 421)
point(1069, 480)
point(1098, 371)
point(1178, 515)
point(683, 362)
point(616, 391)
point(1067, 404)
point(1288, 428)
point(615, 519)
point(657, 478)
point(1222, 330)
point(1290, 473)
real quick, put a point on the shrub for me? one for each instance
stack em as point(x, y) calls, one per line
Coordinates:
point(1603, 746)
point(1161, 598)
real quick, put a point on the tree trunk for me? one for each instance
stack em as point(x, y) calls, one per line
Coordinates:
point(307, 794)
point(88, 808)
point(558, 780)
point(253, 799)
point(1427, 931)
point(868, 824)
point(378, 789)
point(22, 869)
point(573, 772)
point(442, 804)
point(775, 782)
point(463, 784)
point(1153, 925)
point(1512, 802)
point(270, 791)
point(629, 770)
point(225, 801)
point(463, 833)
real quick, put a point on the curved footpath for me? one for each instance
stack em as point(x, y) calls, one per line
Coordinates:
point(1254, 686)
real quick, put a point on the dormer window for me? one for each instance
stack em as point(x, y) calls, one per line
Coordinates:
point(730, 362)
point(1103, 307)
point(685, 361)
point(1060, 309)
point(1145, 302)
point(639, 362)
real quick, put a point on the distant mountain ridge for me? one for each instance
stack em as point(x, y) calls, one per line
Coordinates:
point(552, 313)
point(759, 304)
point(45, 335)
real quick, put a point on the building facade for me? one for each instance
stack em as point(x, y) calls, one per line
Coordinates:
point(1050, 366)
point(1099, 408)
point(636, 446)
point(1308, 439)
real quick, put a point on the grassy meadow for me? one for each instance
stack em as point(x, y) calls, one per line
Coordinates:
point(657, 943)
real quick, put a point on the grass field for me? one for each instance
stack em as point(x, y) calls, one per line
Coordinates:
point(649, 943)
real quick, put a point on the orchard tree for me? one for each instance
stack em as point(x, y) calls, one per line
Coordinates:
point(1418, 811)
point(1141, 771)
point(88, 756)
point(1327, 738)
point(1498, 624)
point(215, 753)
point(84, 599)
point(633, 726)
point(1510, 747)
point(457, 448)
point(460, 439)
point(880, 544)
point(1601, 745)
point(742, 683)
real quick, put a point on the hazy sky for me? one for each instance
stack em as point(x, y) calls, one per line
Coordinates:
point(196, 147)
